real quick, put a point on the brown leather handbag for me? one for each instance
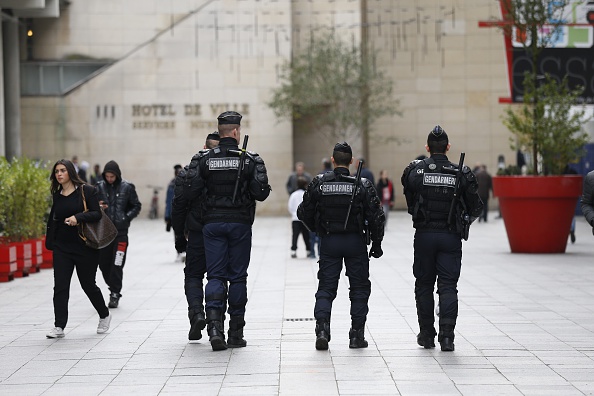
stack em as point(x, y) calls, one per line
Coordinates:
point(99, 234)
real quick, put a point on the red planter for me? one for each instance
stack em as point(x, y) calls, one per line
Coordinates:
point(47, 256)
point(36, 255)
point(24, 258)
point(8, 262)
point(537, 210)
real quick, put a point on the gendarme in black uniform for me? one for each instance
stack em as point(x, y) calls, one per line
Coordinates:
point(186, 220)
point(211, 178)
point(324, 210)
point(429, 191)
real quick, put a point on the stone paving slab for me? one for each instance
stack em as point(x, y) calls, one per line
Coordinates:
point(526, 326)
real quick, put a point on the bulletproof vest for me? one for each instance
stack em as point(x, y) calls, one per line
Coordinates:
point(220, 174)
point(335, 196)
point(436, 194)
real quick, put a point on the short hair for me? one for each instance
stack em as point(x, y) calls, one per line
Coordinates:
point(211, 143)
point(438, 140)
point(437, 146)
point(226, 129)
point(341, 158)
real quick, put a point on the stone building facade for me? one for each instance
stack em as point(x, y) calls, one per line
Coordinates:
point(165, 69)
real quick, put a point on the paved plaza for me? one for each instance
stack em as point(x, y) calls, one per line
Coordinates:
point(526, 326)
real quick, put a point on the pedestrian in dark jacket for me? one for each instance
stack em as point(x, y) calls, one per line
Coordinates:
point(119, 200)
point(187, 223)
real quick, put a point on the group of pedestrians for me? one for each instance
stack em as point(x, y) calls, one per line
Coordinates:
point(212, 211)
point(75, 202)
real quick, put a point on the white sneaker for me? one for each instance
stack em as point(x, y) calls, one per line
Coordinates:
point(104, 324)
point(56, 332)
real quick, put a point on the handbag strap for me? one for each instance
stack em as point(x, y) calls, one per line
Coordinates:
point(81, 232)
point(82, 190)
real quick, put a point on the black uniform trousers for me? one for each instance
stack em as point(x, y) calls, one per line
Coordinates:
point(111, 262)
point(227, 247)
point(85, 262)
point(437, 255)
point(334, 248)
point(194, 271)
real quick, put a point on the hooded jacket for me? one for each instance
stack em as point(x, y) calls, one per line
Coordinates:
point(121, 198)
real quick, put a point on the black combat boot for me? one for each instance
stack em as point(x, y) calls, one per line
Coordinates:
point(114, 300)
point(216, 331)
point(235, 333)
point(197, 323)
point(446, 337)
point(426, 338)
point(357, 338)
point(322, 334)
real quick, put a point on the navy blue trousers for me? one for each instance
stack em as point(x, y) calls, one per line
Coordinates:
point(227, 247)
point(438, 256)
point(194, 271)
point(335, 248)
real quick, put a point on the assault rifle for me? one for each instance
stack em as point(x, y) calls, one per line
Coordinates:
point(240, 166)
point(458, 203)
point(357, 181)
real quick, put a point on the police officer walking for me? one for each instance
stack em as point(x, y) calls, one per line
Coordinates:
point(443, 202)
point(186, 220)
point(331, 209)
point(228, 181)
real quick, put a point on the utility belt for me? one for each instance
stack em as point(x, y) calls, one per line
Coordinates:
point(433, 225)
point(241, 214)
point(326, 228)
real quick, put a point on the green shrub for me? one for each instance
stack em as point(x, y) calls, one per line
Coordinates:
point(25, 197)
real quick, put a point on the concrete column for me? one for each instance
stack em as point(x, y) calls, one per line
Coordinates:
point(12, 88)
point(2, 135)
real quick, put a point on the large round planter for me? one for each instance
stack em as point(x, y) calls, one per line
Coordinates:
point(537, 210)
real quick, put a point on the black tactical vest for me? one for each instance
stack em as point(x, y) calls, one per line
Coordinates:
point(436, 194)
point(335, 196)
point(220, 173)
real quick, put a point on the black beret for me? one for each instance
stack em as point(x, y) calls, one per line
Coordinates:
point(343, 148)
point(437, 134)
point(230, 117)
point(213, 136)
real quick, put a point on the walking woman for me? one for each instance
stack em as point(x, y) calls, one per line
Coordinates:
point(69, 250)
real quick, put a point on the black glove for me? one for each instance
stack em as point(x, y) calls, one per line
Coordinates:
point(167, 224)
point(376, 250)
point(180, 243)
